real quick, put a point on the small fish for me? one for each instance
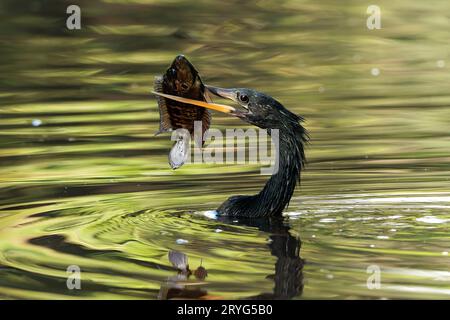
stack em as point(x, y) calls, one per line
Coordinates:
point(181, 79)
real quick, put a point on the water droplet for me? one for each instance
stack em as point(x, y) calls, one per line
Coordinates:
point(372, 246)
point(218, 230)
point(440, 63)
point(375, 72)
point(330, 276)
point(182, 241)
point(382, 237)
point(445, 253)
point(313, 236)
point(36, 122)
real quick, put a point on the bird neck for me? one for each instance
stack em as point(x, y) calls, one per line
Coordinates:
point(277, 192)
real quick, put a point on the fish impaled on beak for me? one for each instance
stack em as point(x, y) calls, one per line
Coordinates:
point(209, 105)
point(181, 79)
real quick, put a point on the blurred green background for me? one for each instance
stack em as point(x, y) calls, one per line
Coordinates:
point(84, 181)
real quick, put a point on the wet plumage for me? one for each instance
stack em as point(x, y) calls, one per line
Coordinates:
point(265, 112)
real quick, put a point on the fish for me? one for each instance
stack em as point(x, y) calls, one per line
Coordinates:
point(181, 79)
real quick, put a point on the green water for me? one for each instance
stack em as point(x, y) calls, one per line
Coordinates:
point(89, 184)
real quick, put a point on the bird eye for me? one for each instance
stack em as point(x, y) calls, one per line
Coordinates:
point(184, 86)
point(243, 98)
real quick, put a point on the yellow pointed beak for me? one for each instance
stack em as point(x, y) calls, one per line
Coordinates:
point(213, 106)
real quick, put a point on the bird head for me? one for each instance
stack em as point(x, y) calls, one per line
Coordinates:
point(257, 108)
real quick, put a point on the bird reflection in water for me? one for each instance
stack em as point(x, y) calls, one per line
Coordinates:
point(180, 286)
point(288, 276)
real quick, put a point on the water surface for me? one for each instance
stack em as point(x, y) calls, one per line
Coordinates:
point(84, 181)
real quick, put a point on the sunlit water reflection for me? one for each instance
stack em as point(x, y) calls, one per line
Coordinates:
point(85, 182)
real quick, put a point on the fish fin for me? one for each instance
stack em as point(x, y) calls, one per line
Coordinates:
point(163, 131)
point(164, 118)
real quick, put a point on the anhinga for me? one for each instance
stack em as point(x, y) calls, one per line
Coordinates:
point(265, 112)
